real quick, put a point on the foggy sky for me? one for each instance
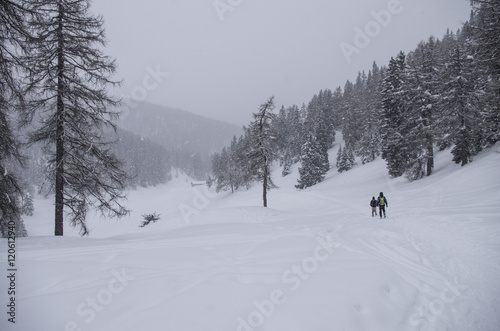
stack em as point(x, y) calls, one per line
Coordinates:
point(224, 62)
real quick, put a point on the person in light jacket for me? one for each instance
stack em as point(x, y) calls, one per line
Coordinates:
point(382, 203)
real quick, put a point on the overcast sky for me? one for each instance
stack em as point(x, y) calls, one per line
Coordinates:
point(223, 58)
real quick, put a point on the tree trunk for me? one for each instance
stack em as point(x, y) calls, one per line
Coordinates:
point(59, 212)
point(429, 138)
point(264, 188)
point(430, 155)
point(464, 153)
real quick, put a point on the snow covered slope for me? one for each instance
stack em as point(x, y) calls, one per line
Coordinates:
point(314, 261)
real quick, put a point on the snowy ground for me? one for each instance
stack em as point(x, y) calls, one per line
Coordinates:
point(314, 261)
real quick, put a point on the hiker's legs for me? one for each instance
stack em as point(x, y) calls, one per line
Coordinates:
point(381, 210)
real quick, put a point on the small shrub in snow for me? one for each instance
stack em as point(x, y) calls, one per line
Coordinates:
point(149, 218)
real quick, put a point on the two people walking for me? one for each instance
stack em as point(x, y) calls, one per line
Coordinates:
point(381, 203)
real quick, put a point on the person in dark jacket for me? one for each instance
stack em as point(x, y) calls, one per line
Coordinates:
point(374, 205)
point(382, 203)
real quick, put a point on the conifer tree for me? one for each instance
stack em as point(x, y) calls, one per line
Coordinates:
point(395, 100)
point(423, 100)
point(280, 127)
point(460, 102)
point(326, 108)
point(288, 128)
point(370, 143)
point(320, 120)
point(69, 75)
point(485, 31)
point(351, 160)
point(319, 138)
point(294, 138)
point(350, 127)
point(337, 104)
point(345, 159)
point(217, 171)
point(226, 168)
point(341, 160)
point(13, 37)
point(259, 143)
point(314, 162)
point(442, 119)
point(221, 166)
point(235, 174)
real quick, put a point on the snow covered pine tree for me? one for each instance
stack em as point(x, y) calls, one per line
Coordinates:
point(68, 79)
point(260, 140)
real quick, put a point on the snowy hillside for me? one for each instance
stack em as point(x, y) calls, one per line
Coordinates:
point(314, 261)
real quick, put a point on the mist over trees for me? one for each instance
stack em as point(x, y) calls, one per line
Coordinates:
point(67, 83)
point(13, 34)
point(443, 94)
point(146, 163)
point(188, 139)
point(53, 82)
point(58, 123)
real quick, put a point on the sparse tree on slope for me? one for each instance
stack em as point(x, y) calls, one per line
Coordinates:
point(260, 141)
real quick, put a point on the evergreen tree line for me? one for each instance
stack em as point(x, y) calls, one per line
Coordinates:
point(294, 134)
point(444, 94)
point(54, 79)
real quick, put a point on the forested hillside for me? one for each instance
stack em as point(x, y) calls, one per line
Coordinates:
point(444, 93)
point(189, 139)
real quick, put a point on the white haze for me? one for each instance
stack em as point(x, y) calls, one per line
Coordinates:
point(223, 65)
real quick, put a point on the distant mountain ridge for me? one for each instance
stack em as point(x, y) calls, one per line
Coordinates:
point(176, 129)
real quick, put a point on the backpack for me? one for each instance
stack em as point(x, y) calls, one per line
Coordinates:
point(381, 201)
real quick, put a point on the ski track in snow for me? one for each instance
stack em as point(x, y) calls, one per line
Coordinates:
point(432, 264)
